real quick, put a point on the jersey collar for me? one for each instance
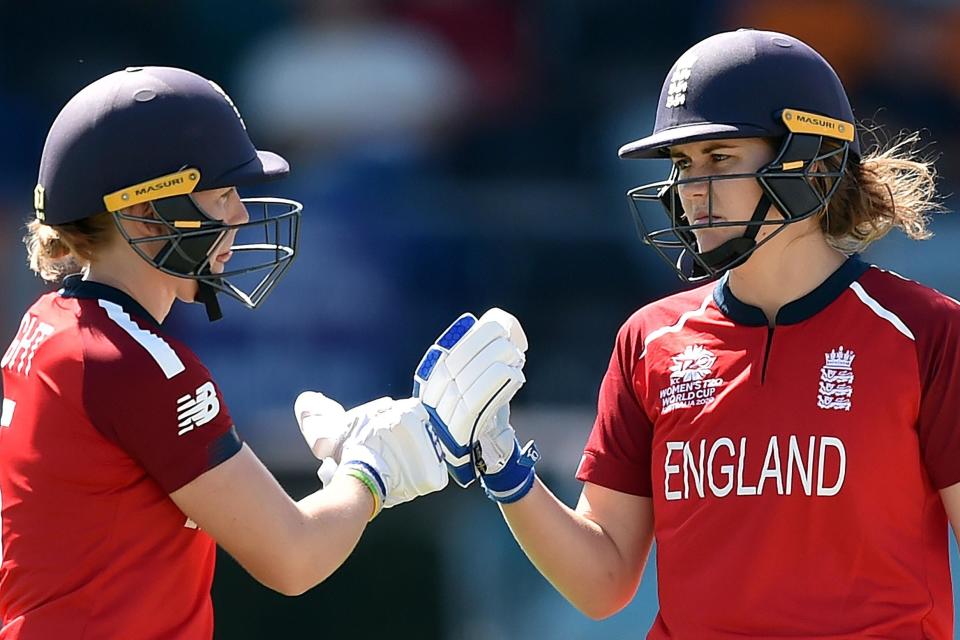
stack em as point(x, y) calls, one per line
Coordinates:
point(800, 309)
point(76, 287)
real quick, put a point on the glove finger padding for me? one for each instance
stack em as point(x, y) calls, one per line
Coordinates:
point(508, 321)
point(462, 411)
point(472, 371)
point(478, 339)
point(499, 351)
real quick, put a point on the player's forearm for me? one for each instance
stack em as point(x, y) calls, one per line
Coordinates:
point(572, 552)
point(307, 543)
point(288, 546)
point(331, 523)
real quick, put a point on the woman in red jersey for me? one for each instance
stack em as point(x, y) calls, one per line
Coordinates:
point(788, 432)
point(120, 467)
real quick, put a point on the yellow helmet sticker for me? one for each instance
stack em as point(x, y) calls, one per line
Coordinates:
point(173, 184)
point(803, 122)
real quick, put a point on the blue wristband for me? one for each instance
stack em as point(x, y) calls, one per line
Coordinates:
point(516, 478)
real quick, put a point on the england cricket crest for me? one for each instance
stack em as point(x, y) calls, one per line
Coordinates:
point(679, 81)
point(691, 379)
point(836, 380)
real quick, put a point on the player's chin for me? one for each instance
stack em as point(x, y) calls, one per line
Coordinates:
point(710, 239)
point(186, 290)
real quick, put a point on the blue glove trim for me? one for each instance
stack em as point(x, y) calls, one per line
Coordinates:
point(516, 478)
point(444, 434)
point(360, 464)
point(456, 331)
point(464, 475)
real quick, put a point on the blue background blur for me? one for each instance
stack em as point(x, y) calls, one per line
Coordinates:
point(451, 155)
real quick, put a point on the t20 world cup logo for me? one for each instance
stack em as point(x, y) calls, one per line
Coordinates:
point(693, 363)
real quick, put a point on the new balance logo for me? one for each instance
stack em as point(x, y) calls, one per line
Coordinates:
point(199, 409)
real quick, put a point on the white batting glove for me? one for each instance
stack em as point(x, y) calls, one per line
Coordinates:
point(466, 381)
point(325, 425)
point(403, 451)
point(387, 444)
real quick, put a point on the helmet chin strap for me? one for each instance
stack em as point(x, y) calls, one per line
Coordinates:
point(185, 255)
point(207, 296)
point(734, 251)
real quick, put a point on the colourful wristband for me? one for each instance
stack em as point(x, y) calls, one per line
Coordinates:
point(371, 485)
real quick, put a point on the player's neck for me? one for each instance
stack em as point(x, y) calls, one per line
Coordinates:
point(119, 267)
point(784, 270)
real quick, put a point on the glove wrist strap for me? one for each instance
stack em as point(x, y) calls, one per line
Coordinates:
point(516, 478)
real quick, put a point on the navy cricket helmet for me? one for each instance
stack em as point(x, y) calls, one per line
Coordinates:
point(156, 135)
point(746, 84)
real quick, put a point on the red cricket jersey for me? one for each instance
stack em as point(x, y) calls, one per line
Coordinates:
point(794, 470)
point(103, 416)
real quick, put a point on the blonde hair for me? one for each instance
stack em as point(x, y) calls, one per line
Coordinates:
point(55, 251)
point(892, 186)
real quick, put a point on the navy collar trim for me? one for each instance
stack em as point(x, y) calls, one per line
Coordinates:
point(76, 287)
point(794, 312)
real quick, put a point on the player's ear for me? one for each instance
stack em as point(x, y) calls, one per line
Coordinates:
point(143, 211)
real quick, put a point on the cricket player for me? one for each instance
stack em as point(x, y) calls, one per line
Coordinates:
point(788, 432)
point(120, 465)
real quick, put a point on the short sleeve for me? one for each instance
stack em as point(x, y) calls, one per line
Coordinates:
point(171, 419)
point(938, 424)
point(617, 453)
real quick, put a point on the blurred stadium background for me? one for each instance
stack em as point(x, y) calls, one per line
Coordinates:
point(451, 155)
